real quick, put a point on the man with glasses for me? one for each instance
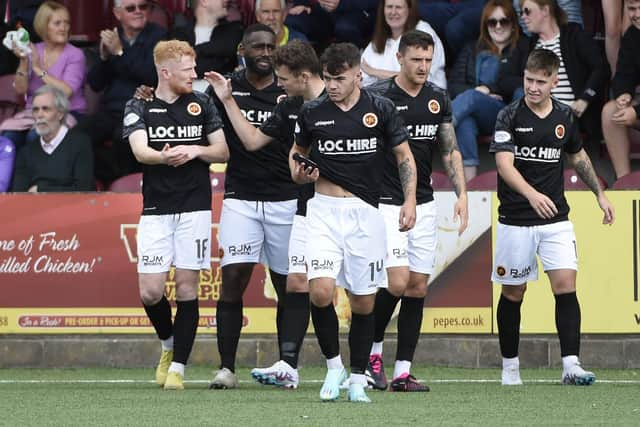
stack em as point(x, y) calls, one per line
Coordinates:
point(126, 62)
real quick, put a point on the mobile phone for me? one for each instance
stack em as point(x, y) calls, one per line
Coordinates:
point(307, 163)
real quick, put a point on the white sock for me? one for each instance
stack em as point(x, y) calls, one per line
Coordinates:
point(167, 345)
point(569, 361)
point(401, 367)
point(177, 367)
point(511, 362)
point(335, 363)
point(376, 348)
point(358, 379)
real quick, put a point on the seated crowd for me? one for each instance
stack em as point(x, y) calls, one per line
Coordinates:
point(58, 143)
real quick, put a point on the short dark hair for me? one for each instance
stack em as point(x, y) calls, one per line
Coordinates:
point(339, 57)
point(543, 60)
point(298, 56)
point(415, 38)
point(256, 28)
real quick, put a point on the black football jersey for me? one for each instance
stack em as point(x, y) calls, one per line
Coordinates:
point(262, 174)
point(187, 121)
point(349, 146)
point(422, 115)
point(538, 145)
point(280, 126)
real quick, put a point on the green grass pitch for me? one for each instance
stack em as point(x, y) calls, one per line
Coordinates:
point(128, 397)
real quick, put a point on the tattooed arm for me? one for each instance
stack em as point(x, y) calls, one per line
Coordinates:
point(408, 179)
point(582, 164)
point(452, 161)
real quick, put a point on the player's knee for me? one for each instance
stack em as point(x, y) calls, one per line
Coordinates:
point(397, 289)
point(151, 296)
point(514, 293)
point(321, 297)
point(297, 282)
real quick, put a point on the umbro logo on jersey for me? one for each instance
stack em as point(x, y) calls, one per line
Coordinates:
point(369, 120)
point(234, 93)
point(560, 131)
point(157, 110)
point(524, 130)
point(402, 107)
point(434, 106)
point(194, 109)
point(293, 117)
point(325, 123)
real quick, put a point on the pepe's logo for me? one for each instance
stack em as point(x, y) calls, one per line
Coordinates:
point(369, 120)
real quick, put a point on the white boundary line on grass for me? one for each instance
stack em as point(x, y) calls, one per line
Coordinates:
point(431, 381)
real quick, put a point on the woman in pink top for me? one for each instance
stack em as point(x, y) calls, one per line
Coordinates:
point(55, 62)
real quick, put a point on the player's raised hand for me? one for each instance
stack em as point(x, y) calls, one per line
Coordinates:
point(407, 218)
point(220, 85)
point(607, 208)
point(543, 205)
point(461, 213)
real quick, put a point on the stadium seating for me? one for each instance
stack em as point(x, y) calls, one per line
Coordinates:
point(628, 182)
point(573, 182)
point(487, 181)
point(127, 184)
point(440, 181)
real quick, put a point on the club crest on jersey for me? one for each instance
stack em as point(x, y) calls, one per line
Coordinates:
point(369, 120)
point(194, 109)
point(280, 98)
point(501, 271)
point(560, 131)
point(434, 106)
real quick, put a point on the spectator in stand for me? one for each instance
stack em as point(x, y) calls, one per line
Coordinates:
point(623, 111)
point(573, 9)
point(583, 68)
point(61, 159)
point(7, 160)
point(324, 21)
point(393, 19)
point(616, 23)
point(475, 107)
point(455, 20)
point(214, 38)
point(15, 13)
point(55, 62)
point(126, 62)
point(272, 13)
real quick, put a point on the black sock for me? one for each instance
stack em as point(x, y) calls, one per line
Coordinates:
point(409, 324)
point(295, 323)
point(185, 327)
point(325, 323)
point(568, 323)
point(279, 282)
point(160, 316)
point(385, 304)
point(229, 324)
point(360, 340)
point(508, 326)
